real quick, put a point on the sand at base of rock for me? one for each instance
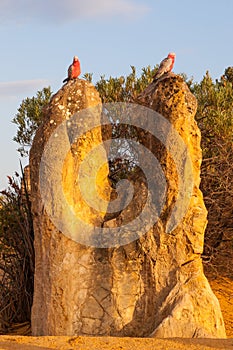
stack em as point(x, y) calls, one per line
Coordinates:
point(97, 343)
point(223, 289)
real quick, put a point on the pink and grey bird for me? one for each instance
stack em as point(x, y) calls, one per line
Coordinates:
point(74, 70)
point(165, 66)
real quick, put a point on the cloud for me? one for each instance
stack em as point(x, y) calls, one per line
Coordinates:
point(21, 87)
point(67, 10)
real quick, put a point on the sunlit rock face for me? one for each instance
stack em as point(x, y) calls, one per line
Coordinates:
point(152, 286)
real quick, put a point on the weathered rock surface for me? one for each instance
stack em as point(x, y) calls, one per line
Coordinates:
point(154, 286)
point(64, 270)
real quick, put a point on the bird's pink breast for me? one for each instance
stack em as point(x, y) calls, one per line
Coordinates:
point(76, 69)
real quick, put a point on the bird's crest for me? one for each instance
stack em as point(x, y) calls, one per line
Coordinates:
point(171, 54)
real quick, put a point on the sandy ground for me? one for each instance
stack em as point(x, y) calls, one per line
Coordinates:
point(89, 343)
point(223, 289)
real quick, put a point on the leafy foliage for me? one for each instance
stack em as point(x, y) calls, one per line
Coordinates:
point(228, 74)
point(29, 117)
point(124, 89)
point(215, 119)
point(16, 254)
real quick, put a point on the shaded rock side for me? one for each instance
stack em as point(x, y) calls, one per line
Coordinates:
point(154, 286)
point(185, 303)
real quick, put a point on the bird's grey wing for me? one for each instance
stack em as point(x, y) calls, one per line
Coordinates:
point(164, 65)
point(70, 70)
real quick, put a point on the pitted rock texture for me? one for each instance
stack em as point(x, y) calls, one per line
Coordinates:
point(154, 286)
point(63, 301)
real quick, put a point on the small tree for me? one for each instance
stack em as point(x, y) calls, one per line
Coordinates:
point(29, 117)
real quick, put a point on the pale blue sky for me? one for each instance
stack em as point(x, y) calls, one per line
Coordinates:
point(39, 38)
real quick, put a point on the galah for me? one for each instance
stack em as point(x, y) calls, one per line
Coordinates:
point(74, 70)
point(165, 66)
